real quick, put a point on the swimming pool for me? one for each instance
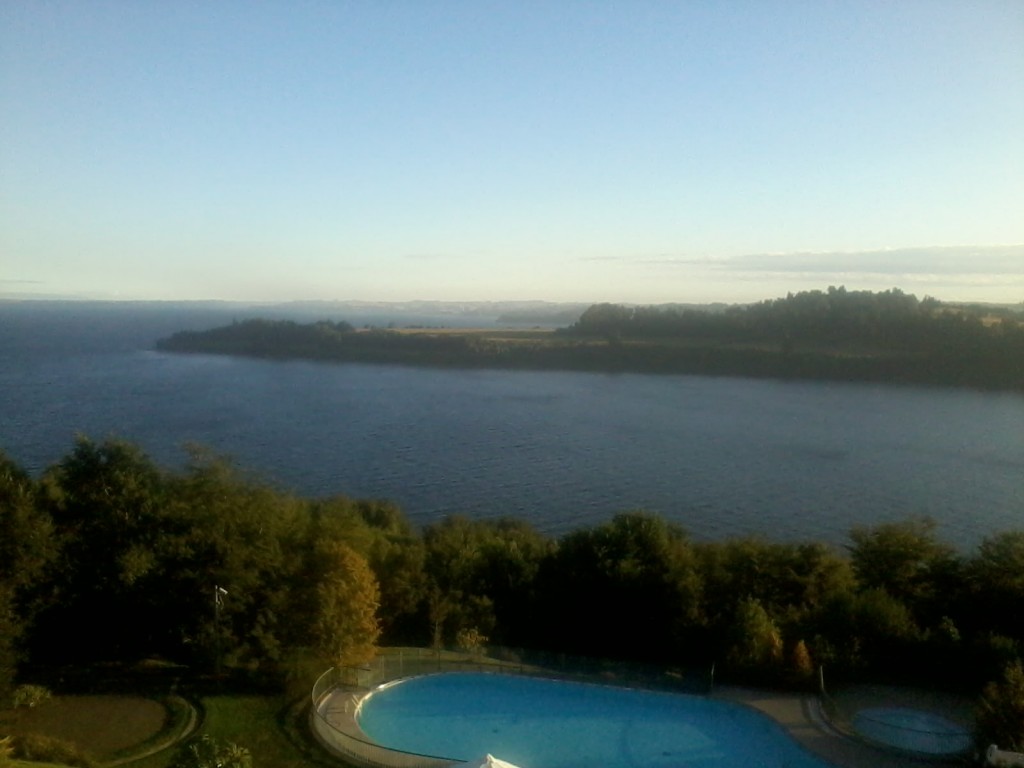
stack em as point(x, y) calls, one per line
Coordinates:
point(912, 730)
point(540, 723)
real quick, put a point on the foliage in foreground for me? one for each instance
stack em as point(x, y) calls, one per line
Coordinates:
point(999, 718)
point(253, 722)
point(209, 752)
point(30, 695)
point(37, 748)
point(106, 535)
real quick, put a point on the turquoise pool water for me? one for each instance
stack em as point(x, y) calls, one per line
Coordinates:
point(912, 730)
point(538, 723)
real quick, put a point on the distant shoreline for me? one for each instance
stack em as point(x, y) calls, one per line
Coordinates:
point(559, 351)
point(888, 337)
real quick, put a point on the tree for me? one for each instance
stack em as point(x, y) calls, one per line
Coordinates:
point(345, 629)
point(794, 583)
point(27, 547)
point(457, 596)
point(800, 660)
point(397, 562)
point(996, 576)
point(757, 641)
point(999, 717)
point(10, 632)
point(106, 501)
point(506, 573)
point(227, 529)
point(903, 558)
point(27, 544)
point(626, 589)
point(884, 628)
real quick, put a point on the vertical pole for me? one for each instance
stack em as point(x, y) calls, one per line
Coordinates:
point(216, 631)
point(218, 600)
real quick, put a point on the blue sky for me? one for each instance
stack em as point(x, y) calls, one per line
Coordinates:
point(562, 150)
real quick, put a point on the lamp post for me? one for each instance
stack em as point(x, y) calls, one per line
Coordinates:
point(219, 593)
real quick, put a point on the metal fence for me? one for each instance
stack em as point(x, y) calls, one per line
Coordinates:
point(333, 718)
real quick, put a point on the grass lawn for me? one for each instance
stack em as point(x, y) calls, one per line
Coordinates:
point(257, 723)
point(103, 727)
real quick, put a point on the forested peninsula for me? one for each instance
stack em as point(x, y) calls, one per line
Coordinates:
point(836, 334)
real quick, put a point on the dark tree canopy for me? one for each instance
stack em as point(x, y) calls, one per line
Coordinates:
point(110, 557)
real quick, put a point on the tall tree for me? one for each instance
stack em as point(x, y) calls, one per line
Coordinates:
point(757, 641)
point(457, 599)
point(106, 501)
point(27, 547)
point(346, 628)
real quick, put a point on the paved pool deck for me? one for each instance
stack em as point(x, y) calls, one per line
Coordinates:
point(803, 718)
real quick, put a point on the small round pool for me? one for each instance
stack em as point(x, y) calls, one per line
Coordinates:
point(912, 730)
point(539, 723)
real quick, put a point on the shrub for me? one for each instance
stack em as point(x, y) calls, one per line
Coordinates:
point(471, 641)
point(208, 752)
point(35, 747)
point(1000, 711)
point(6, 751)
point(30, 695)
point(800, 660)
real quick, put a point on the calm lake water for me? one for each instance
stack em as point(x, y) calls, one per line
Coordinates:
point(721, 456)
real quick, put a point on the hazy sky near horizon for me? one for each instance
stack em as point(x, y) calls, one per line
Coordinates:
point(632, 151)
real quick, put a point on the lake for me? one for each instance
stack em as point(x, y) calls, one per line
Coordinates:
point(721, 456)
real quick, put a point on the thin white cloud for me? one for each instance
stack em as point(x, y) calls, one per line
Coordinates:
point(983, 262)
point(999, 260)
point(954, 273)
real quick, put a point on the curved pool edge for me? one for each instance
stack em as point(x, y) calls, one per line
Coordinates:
point(334, 726)
point(780, 729)
point(799, 715)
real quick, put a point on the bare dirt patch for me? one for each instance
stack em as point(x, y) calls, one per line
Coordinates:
point(99, 725)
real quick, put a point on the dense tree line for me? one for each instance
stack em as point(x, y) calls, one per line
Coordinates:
point(835, 334)
point(107, 556)
point(873, 321)
point(888, 335)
